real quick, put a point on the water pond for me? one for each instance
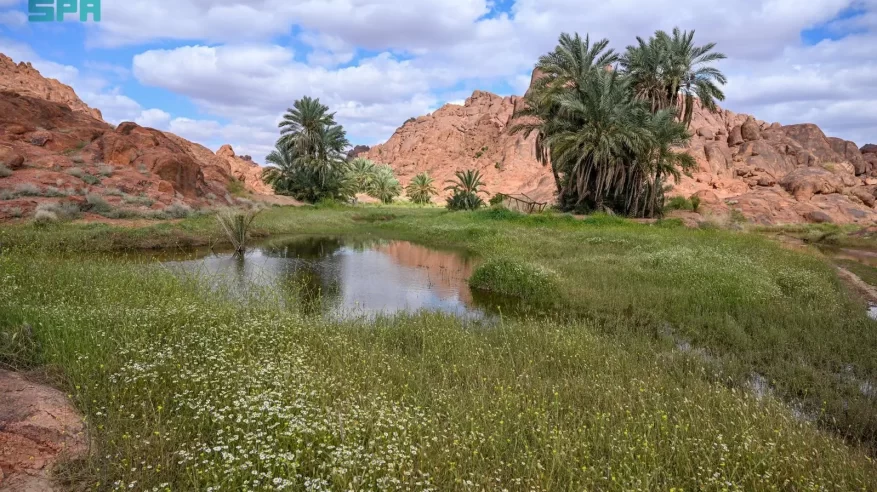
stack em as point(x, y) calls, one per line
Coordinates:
point(345, 277)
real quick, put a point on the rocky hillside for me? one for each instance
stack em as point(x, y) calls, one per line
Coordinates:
point(472, 136)
point(771, 173)
point(59, 155)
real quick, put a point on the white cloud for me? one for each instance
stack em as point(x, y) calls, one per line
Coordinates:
point(153, 118)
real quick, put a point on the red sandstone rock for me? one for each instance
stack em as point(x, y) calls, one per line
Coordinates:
point(26, 80)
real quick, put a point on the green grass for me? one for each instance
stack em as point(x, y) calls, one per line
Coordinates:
point(600, 397)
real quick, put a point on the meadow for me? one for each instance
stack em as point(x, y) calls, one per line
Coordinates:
point(654, 357)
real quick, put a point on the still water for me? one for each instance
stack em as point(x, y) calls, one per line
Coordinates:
point(345, 277)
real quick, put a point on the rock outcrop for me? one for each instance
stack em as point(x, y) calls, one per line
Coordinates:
point(38, 427)
point(26, 80)
point(357, 151)
point(472, 136)
point(770, 173)
point(243, 169)
point(54, 148)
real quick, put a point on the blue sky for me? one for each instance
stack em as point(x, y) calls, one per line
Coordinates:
point(222, 71)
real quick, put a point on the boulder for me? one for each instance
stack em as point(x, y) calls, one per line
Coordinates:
point(11, 159)
point(750, 131)
point(869, 149)
point(848, 152)
point(706, 133)
point(803, 183)
point(818, 217)
point(735, 137)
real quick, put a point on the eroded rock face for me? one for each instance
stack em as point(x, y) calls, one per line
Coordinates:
point(38, 428)
point(24, 79)
point(472, 136)
point(244, 170)
point(60, 150)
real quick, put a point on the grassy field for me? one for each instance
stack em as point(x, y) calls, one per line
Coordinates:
point(642, 379)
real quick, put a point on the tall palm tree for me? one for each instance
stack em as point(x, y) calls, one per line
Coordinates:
point(465, 188)
point(421, 190)
point(571, 63)
point(670, 70)
point(310, 129)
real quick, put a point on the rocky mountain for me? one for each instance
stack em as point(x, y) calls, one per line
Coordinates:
point(25, 80)
point(769, 172)
point(472, 136)
point(55, 149)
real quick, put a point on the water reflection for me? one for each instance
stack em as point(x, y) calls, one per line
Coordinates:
point(341, 277)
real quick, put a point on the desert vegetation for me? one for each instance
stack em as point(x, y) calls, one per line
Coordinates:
point(609, 124)
point(421, 189)
point(614, 383)
point(465, 190)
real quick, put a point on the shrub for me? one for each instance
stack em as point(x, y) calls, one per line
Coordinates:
point(44, 217)
point(15, 212)
point(465, 201)
point(138, 200)
point(97, 204)
point(51, 191)
point(383, 185)
point(421, 190)
point(142, 169)
point(513, 278)
point(76, 172)
point(5, 172)
point(113, 191)
point(62, 210)
point(235, 187)
point(496, 199)
point(236, 224)
point(178, 210)
point(679, 203)
point(695, 203)
point(6, 195)
point(92, 180)
point(27, 189)
point(105, 170)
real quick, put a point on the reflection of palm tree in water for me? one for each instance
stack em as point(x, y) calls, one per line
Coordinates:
point(311, 279)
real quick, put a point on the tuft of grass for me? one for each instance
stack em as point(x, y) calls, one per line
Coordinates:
point(236, 224)
point(515, 278)
point(142, 169)
point(43, 218)
point(76, 172)
point(5, 172)
point(27, 189)
point(7, 194)
point(62, 210)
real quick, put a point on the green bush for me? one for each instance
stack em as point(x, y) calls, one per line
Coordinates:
point(235, 187)
point(62, 210)
point(496, 199)
point(138, 200)
point(513, 278)
point(28, 189)
point(97, 204)
point(695, 203)
point(679, 203)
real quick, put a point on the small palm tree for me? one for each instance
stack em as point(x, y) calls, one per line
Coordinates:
point(466, 188)
point(384, 186)
point(360, 172)
point(421, 190)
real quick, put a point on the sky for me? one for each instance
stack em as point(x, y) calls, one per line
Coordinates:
point(224, 71)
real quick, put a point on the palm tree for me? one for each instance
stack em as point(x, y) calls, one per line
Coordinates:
point(596, 136)
point(571, 63)
point(282, 167)
point(310, 129)
point(361, 171)
point(466, 188)
point(672, 71)
point(421, 190)
point(384, 186)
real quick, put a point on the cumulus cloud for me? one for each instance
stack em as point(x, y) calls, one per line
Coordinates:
point(379, 62)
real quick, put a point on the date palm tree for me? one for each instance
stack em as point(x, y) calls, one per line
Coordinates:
point(421, 190)
point(571, 62)
point(465, 187)
point(360, 172)
point(383, 185)
point(670, 70)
